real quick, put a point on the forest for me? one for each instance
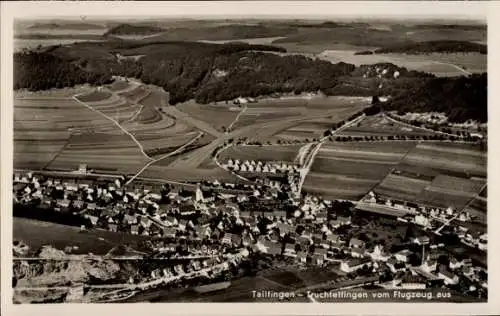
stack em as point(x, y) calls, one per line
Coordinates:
point(217, 72)
point(461, 98)
point(434, 47)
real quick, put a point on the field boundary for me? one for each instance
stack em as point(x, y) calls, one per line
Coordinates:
point(136, 114)
point(46, 166)
point(165, 156)
point(75, 97)
point(391, 170)
point(236, 118)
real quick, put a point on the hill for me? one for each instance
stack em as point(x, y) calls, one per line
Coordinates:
point(65, 26)
point(223, 32)
point(129, 29)
point(217, 72)
point(460, 98)
point(434, 47)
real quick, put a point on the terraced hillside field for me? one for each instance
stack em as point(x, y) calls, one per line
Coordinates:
point(110, 130)
point(349, 170)
point(43, 129)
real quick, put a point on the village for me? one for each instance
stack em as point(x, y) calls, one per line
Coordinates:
point(206, 224)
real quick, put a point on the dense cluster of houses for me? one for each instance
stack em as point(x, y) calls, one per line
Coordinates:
point(271, 167)
point(276, 174)
point(433, 217)
point(211, 224)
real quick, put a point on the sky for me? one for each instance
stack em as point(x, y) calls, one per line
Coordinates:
point(404, 10)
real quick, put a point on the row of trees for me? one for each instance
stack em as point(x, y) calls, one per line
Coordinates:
point(406, 137)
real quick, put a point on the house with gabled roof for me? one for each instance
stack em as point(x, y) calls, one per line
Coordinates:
point(273, 248)
point(356, 243)
point(394, 265)
point(169, 232)
point(113, 227)
point(284, 228)
point(354, 264)
point(447, 276)
point(134, 229)
point(379, 253)
point(403, 255)
point(63, 202)
point(290, 250)
point(203, 232)
point(302, 256)
point(334, 241)
point(129, 219)
point(93, 219)
point(357, 252)
point(145, 222)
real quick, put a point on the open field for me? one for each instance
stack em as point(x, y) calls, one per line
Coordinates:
point(450, 159)
point(218, 116)
point(401, 187)
point(36, 234)
point(449, 183)
point(116, 154)
point(344, 187)
point(437, 174)
point(443, 199)
point(438, 64)
point(378, 125)
point(189, 175)
point(257, 114)
point(350, 170)
point(334, 109)
point(258, 153)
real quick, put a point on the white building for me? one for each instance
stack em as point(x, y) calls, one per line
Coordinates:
point(199, 195)
point(421, 220)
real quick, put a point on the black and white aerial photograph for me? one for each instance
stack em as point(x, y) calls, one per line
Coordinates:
point(250, 158)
